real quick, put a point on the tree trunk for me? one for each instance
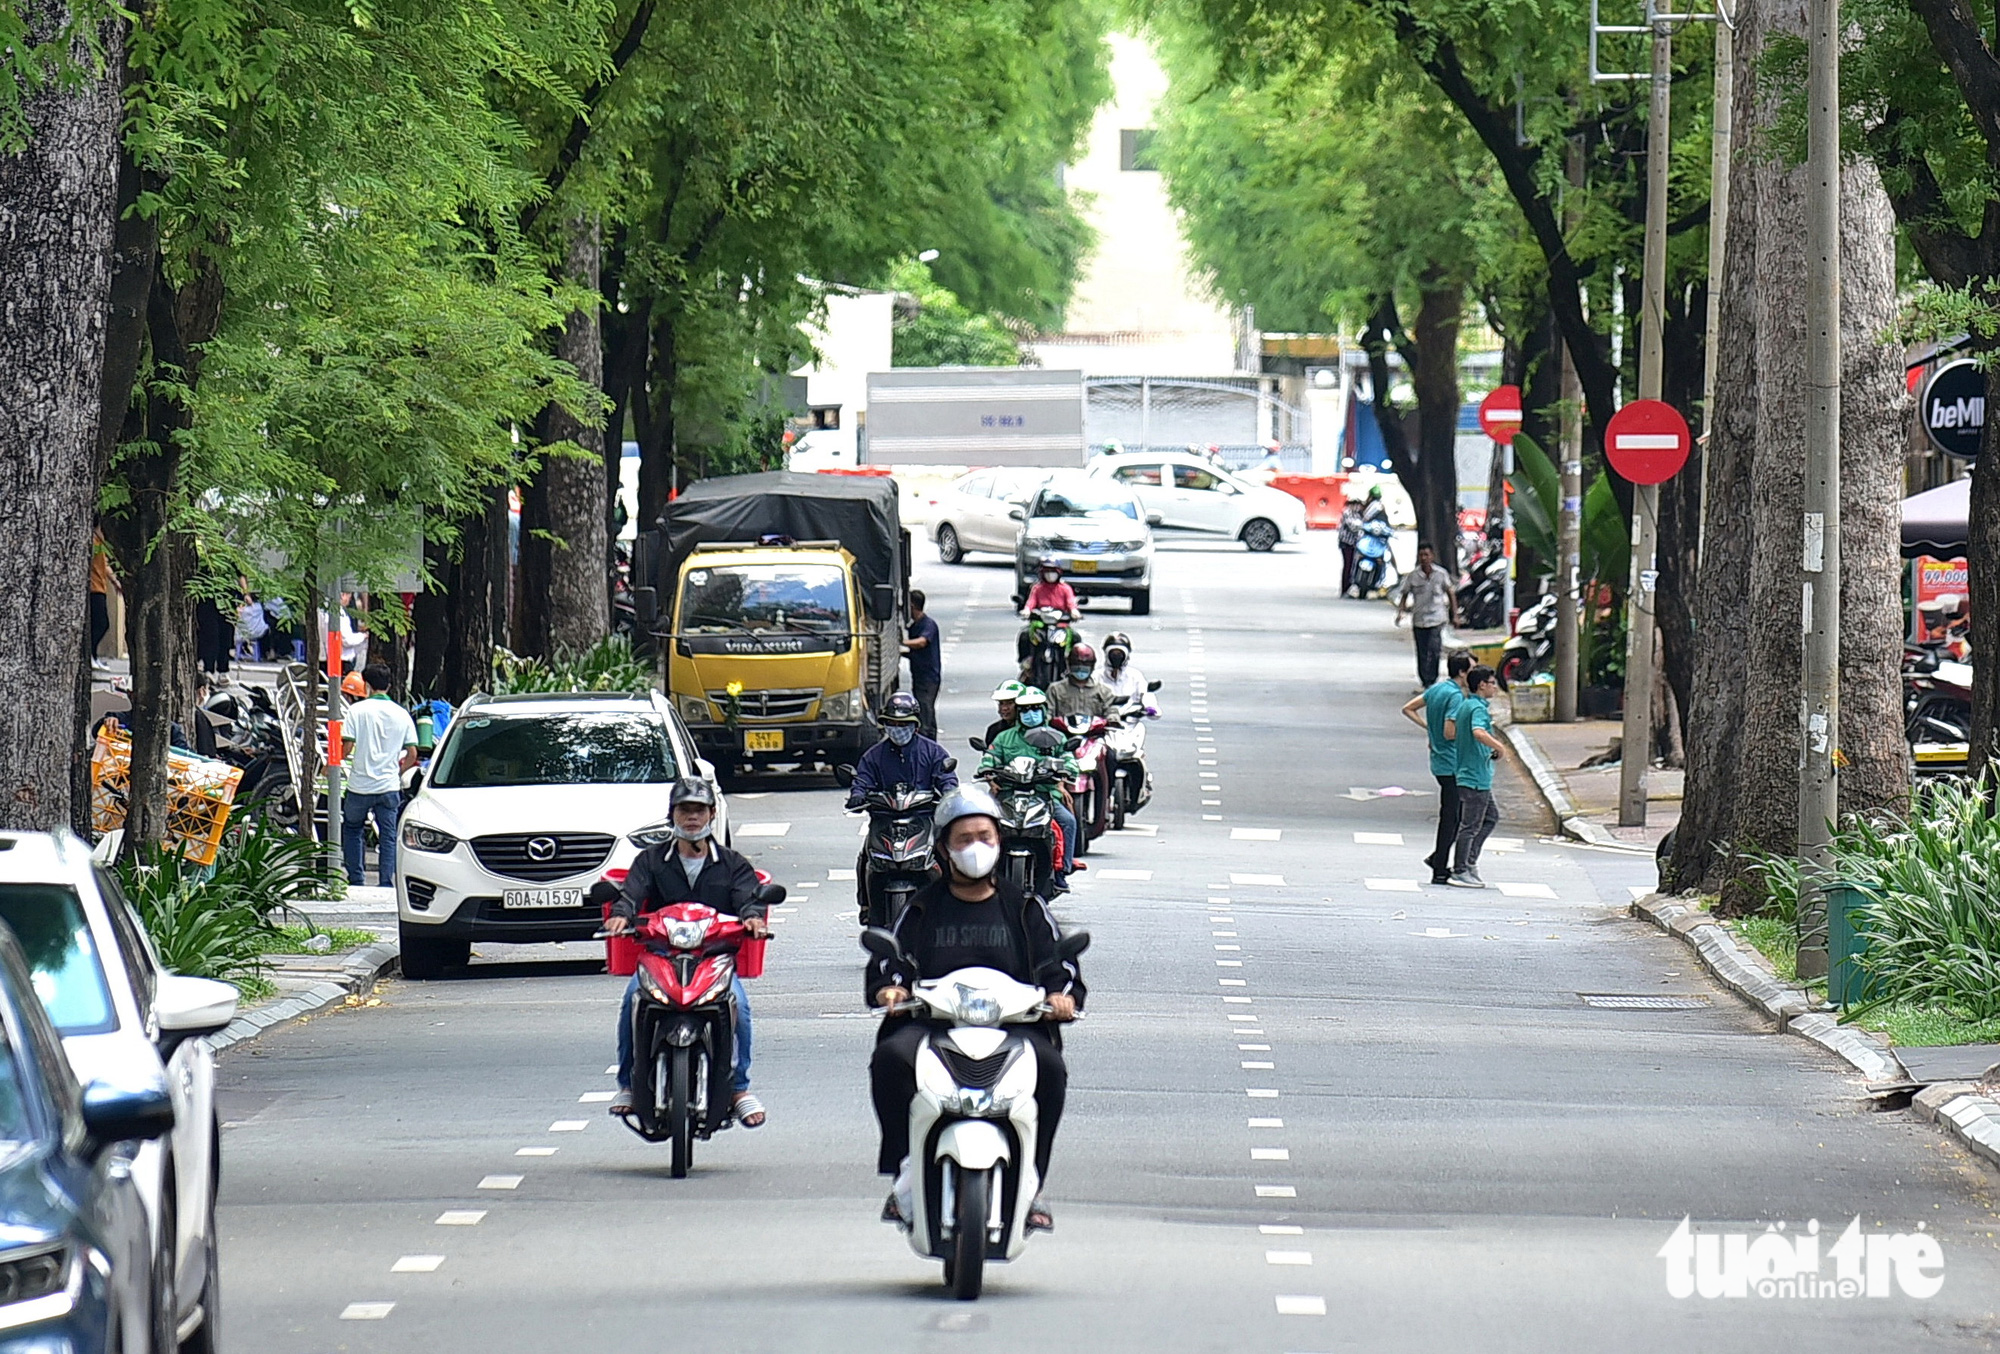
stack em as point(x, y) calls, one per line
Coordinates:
point(653, 408)
point(56, 228)
point(564, 603)
point(454, 621)
point(1434, 485)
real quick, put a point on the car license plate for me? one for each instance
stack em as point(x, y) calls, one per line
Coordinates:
point(764, 740)
point(1084, 566)
point(541, 898)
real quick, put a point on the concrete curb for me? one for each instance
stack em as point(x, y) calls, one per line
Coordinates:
point(1957, 1107)
point(364, 968)
point(1550, 786)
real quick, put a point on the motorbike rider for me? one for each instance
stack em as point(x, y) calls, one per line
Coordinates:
point(1080, 693)
point(903, 757)
point(970, 918)
point(1375, 510)
point(691, 868)
point(1032, 708)
point(1122, 677)
point(1005, 695)
point(1049, 591)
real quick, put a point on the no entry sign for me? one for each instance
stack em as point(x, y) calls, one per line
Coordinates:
point(1647, 441)
point(1500, 414)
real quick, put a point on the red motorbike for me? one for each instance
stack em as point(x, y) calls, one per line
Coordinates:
point(684, 1020)
point(1090, 791)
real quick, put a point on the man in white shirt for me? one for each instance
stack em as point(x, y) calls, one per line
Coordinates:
point(380, 740)
point(1430, 600)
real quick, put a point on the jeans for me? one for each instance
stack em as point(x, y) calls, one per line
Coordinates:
point(1478, 815)
point(739, 1072)
point(1440, 857)
point(1430, 647)
point(1068, 822)
point(354, 811)
point(926, 694)
point(1346, 567)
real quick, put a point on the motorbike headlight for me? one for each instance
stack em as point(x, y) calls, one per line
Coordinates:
point(653, 834)
point(694, 709)
point(652, 986)
point(976, 1008)
point(420, 838)
point(977, 1103)
point(685, 935)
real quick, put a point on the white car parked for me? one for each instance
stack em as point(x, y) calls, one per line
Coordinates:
point(529, 800)
point(1188, 494)
point(983, 511)
point(121, 1015)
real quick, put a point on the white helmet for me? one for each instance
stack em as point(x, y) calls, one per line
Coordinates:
point(967, 801)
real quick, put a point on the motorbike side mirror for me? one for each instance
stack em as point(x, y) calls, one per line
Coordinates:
point(416, 780)
point(882, 944)
point(602, 892)
point(977, 744)
point(843, 776)
point(951, 763)
point(770, 895)
point(1153, 685)
point(1073, 744)
point(1072, 945)
point(1044, 740)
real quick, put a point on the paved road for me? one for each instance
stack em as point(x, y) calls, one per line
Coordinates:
point(1306, 1084)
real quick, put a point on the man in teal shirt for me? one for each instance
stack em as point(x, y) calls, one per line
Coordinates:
point(1430, 711)
point(1470, 727)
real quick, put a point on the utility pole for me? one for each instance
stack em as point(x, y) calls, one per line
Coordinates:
point(1819, 566)
point(1637, 756)
point(1569, 513)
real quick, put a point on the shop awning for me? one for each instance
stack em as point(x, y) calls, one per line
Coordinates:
point(1934, 521)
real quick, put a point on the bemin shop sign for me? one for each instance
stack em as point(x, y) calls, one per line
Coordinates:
point(1954, 407)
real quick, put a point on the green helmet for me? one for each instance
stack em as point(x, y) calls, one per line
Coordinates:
point(1008, 691)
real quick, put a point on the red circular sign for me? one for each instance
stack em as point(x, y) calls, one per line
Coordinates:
point(1500, 413)
point(1647, 441)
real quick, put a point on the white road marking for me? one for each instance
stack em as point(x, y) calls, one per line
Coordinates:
point(1211, 817)
point(501, 1181)
point(1231, 982)
point(838, 875)
point(1251, 1048)
point(1509, 844)
point(1640, 890)
point(1288, 1257)
point(611, 1071)
point(1277, 1192)
point(1205, 761)
point(1239, 1001)
point(569, 1125)
point(1234, 1016)
point(808, 884)
point(1240, 1030)
point(1270, 1154)
point(1214, 901)
point(1280, 1229)
point(1394, 885)
point(1228, 935)
point(595, 1097)
point(1139, 875)
point(1249, 1065)
point(1261, 880)
point(416, 1264)
point(1226, 948)
point(366, 1311)
point(1267, 1123)
point(1255, 834)
point(1261, 1093)
point(1137, 830)
point(1292, 1304)
point(1441, 933)
point(1229, 963)
point(1525, 890)
point(460, 1217)
point(1381, 839)
point(535, 1151)
point(762, 829)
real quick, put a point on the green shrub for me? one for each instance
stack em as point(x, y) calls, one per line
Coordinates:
point(608, 665)
point(198, 929)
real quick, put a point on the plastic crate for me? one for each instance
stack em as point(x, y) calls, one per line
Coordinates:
point(200, 795)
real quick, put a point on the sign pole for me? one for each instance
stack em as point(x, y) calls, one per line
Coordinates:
point(1819, 573)
point(1637, 756)
point(335, 709)
point(1500, 415)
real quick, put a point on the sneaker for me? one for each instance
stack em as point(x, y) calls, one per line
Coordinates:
point(1440, 879)
point(621, 1103)
point(1467, 879)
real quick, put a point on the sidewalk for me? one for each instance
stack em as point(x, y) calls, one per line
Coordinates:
point(1586, 798)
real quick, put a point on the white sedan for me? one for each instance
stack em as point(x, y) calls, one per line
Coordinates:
point(983, 511)
point(120, 1013)
point(1185, 494)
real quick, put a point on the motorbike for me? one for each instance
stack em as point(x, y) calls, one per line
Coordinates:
point(1051, 635)
point(1027, 825)
point(1532, 646)
point(973, 1120)
point(684, 1022)
point(1937, 697)
point(1090, 790)
point(1374, 567)
point(1482, 597)
point(1125, 748)
point(901, 854)
point(247, 735)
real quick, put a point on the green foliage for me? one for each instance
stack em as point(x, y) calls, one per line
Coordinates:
point(292, 939)
point(942, 332)
point(1912, 1026)
point(609, 665)
point(1776, 938)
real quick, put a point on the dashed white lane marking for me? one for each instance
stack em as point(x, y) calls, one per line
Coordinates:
point(1276, 881)
point(762, 829)
point(1232, 982)
point(569, 1125)
point(1508, 844)
point(1280, 1229)
point(1205, 761)
point(1383, 839)
point(1214, 901)
point(501, 1181)
point(1211, 817)
point(837, 875)
point(1277, 1192)
point(1228, 949)
point(1241, 1030)
point(611, 1071)
point(1270, 1154)
point(416, 1264)
point(1241, 1001)
point(1293, 1304)
point(1261, 1093)
point(595, 1097)
point(1267, 1123)
point(1139, 875)
point(1442, 933)
point(1230, 934)
point(1525, 890)
point(535, 1151)
point(1394, 885)
point(1250, 1065)
point(1288, 1257)
point(1229, 963)
point(1251, 1048)
point(1256, 834)
point(1246, 1018)
point(366, 1311)
point(460, 1217)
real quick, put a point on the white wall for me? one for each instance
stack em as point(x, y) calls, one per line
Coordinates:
point(854, 340)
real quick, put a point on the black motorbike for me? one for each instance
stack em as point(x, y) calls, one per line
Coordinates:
point(1045, 646)
point(901, 854)
point(1024, 787)
point(247, 735)
point(1482, 598)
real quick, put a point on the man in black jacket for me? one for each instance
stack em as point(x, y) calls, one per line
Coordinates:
point(691, 867)
point(971, 917)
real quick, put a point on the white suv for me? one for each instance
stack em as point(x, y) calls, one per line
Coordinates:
point(122, 1016)
point(528, 801)
point(1183, 493)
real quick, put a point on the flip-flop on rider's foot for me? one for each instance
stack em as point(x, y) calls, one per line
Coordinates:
point(749, 1110)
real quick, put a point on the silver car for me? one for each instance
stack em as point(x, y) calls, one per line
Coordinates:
point(1098, 535)
point(983, 511)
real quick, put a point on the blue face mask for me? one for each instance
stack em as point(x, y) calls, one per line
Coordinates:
point(1033, 719)
point(1079, 675)
point(899, 734)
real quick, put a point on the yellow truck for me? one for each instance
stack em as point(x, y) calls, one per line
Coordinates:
point(785, 597)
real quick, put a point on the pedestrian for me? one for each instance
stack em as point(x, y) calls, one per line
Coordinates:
point(381, 743)
point(1429, 600)
point(1470, 728)
point(100, 597)
point(1430, 712)
point(925, 651)
point(1350, 541)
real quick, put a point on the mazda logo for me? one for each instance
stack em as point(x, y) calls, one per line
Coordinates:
point(542, 848)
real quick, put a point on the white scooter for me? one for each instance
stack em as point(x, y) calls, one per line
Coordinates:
point(973, 1120)
point(1131, 778)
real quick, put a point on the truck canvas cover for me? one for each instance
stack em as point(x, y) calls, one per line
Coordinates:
point(861, 512)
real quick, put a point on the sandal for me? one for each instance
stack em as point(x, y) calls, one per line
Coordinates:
point(1039, 1217)
point(749, 1110)
point(621, 1103)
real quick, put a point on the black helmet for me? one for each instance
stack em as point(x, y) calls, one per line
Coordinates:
point(1119, 641)
point(901, 708)
point(691, 790)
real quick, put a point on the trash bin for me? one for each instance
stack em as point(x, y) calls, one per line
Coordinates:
point(1847, 982)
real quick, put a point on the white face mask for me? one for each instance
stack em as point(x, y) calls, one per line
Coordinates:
point(975, 860)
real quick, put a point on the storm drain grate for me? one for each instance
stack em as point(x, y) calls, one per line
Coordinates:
point(1641, 1001)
